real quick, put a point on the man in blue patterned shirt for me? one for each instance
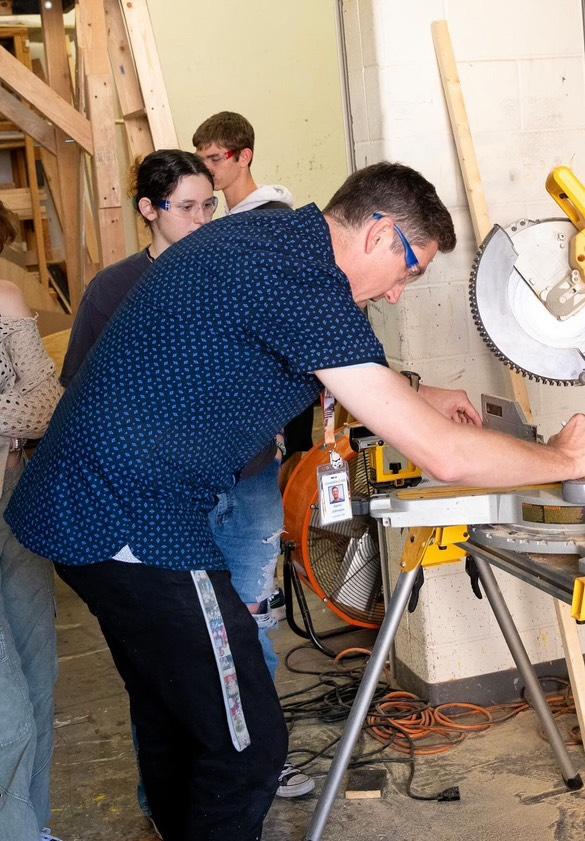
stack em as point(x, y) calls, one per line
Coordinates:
point(230, 334)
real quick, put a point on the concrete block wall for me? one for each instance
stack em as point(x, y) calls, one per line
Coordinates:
point(522, 70)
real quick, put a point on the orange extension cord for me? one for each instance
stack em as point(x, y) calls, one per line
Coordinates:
point(405, 723)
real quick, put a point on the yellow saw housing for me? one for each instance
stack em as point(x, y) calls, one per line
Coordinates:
point(568, 192)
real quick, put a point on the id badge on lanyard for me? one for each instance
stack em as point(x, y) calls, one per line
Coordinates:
point(332, 478)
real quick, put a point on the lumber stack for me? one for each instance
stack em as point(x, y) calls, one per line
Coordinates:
point(60, 115)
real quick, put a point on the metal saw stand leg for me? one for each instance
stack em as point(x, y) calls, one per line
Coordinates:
point(536, 695)
point(363, 698)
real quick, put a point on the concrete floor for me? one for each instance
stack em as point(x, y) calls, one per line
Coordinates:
point(510, 785)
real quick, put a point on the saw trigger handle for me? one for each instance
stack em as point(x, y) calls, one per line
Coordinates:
point(568, 192)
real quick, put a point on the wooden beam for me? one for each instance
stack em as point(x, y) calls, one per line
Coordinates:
point(152, 85)
point(127, 85)
point(138, 136)
point(107, 176)
point(56, 60)
point(31, 166)
point(68, 154)
point(123, 67)
point(27, 120)
point(72, 62)
point(22, 52)
point(18, 200)
point(91, 239)
point(468, 164)
point(92, 40)
point(24, 82)
point(19, 22)
point(91, 262)
point(49, 163)
point(111, 228)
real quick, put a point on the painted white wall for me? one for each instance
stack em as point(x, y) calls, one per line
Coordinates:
point(522, 70)
point(275, 63)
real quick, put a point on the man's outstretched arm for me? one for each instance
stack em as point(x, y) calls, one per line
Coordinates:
point(427, 428)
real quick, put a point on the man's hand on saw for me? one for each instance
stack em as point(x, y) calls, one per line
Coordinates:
point(453, 403)
point(570, 441)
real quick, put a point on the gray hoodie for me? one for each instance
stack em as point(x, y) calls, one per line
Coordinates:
point(263, 195)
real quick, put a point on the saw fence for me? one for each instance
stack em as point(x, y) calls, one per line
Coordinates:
point(61, 114)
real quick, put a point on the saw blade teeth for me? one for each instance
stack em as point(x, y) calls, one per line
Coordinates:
point(484, 335)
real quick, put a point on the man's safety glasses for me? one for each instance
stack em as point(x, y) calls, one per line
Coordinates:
point(412, 263)
point(189, 207)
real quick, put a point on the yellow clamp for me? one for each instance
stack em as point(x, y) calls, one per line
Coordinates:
point(433, 545)
point(578, 603)
point(568, 192)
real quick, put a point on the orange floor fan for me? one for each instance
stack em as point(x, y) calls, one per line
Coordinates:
point(339, 562)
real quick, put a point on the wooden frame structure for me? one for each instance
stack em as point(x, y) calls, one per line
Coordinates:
point(109, 68)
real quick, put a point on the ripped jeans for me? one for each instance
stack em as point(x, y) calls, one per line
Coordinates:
point(246, 525)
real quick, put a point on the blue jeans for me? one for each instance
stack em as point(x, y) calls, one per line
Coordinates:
point(246, 525)
point(28, 670)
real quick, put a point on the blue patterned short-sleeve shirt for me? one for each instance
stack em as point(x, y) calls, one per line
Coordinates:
point(209, 357)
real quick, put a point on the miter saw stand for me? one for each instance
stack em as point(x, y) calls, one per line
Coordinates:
point(530, 532)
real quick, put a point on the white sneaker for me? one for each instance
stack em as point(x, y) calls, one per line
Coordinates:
point(293, 783)
point(46, 835)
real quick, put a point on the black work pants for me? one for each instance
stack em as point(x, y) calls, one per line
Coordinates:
point(199, 787)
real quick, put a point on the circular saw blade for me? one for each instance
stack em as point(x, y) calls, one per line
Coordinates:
point(510, 317)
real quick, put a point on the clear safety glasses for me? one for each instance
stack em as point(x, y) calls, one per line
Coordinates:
point(189, 207)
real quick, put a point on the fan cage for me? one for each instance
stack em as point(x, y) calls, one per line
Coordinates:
point(339, 562)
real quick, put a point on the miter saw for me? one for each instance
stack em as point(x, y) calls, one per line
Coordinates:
point(527, 291)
